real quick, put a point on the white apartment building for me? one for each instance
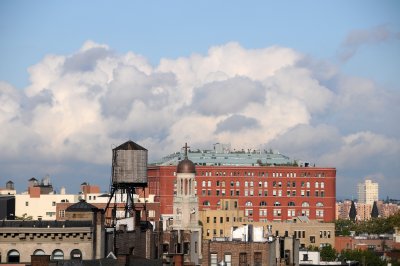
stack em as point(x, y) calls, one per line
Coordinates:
point(42, 206)
point(368, 192)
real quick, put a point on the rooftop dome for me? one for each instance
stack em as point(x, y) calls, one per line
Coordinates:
point(186, 165)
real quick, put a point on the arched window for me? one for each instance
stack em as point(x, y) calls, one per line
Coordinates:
point(291, 203)
point(39, 252)
point(320, 204)
point(277, 203)
point(316, 185)
point(249, 203)
point(322, 185)
point(206, 203)
point(76, 254)
point(263, 203)
point(57, 254)
point(13, 256)
point(305, 204)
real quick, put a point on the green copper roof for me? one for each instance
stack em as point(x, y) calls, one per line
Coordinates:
point(223, 155)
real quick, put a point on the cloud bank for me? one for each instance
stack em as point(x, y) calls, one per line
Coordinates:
point(77, 107)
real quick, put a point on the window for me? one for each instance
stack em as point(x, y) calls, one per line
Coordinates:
point(215, 220)
point(186, 248)
point(312, 239)
point(322, 185)
point(248, 212)
point(319, 204)
point(26, 203)
point(214, 259)
point(237, 183)
point(263, 203)
point(316, 185)
point(291, 213)
point(242, 259)
point(246, 184)
point(61, 213)
point(76, 254)
point(265, 184)
point(320, 213)
point(53, 203)
point(228, 259)
point(57, 255)
point(257, 259)
point(291, 203)
point(203, 184)
point(13, 256)
point(39, 252)
point(277, 212)
point(208, 220)
point(277, 203)
point(308, 184)
point(209, 183)
point(249, 203)
point(206, 203)
point(263, 212)
point(50, 214)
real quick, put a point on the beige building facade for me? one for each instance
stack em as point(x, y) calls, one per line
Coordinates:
point(219, 224)
point(368, 192)
point(81, 237)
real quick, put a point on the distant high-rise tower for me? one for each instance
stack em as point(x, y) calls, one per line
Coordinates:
point(368, 192)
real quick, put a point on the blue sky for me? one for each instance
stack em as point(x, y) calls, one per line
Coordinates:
point(348, 51)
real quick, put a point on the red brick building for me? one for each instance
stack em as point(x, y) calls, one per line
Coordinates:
point(263, 192)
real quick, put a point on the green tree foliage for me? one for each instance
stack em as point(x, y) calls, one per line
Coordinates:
point(373, 226)
point(24, 217)
point(365, 257)
point(375, 212)
point(328, 253)
point(353, 212)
